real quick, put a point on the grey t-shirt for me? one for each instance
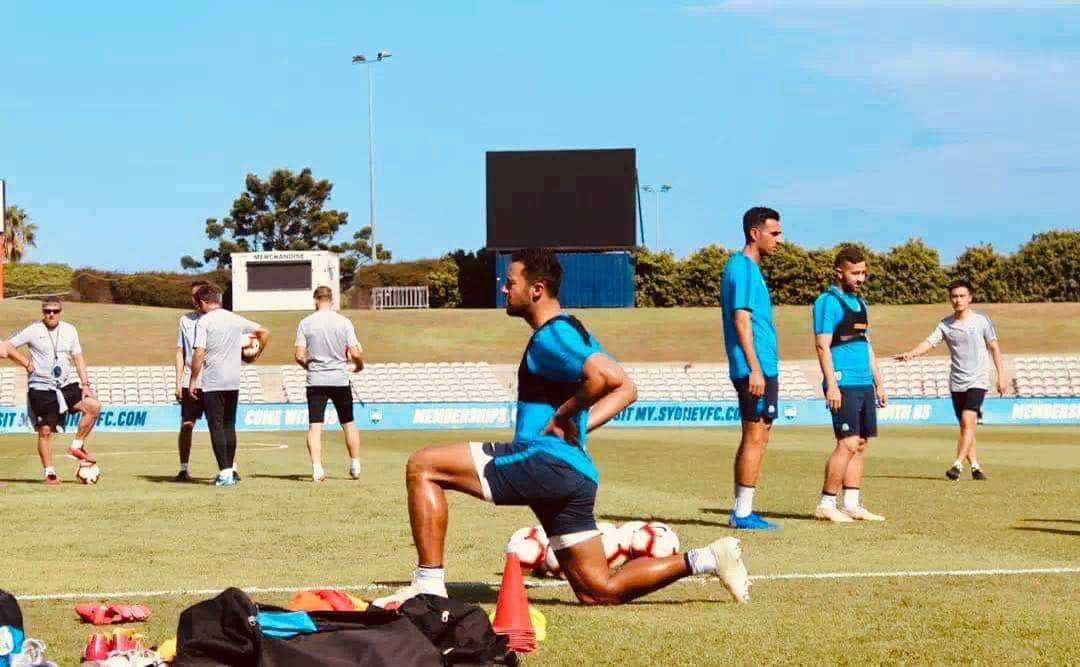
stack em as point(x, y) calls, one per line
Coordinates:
point(220, 332)
point(185, 340)
point(326, 335)
point(969, 362)
point(49, 349)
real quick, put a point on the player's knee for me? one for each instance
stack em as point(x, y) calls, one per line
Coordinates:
point(91, 407)
point(851, 445)
point(598, 594)
point(418, 467)
point(187, 427)
point(861, 447)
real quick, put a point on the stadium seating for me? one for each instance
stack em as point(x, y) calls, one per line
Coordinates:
point(1046, 376)
point(707, 382)
point(916, 378)
point(421, 382)
point(155, 385)
point(7, 387)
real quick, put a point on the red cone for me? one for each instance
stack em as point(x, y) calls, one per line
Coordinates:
point(512, 609)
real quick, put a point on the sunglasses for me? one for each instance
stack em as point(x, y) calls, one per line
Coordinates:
point(51, 311)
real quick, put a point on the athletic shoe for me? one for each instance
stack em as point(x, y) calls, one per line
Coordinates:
point(354, 474)
point(953, 473)
point(182, 476)
point(52, 480)
point(222, 480)
point(751, 521)
point(81, 454)
point(978, 474)
point(395, 600)
point(320, 478)
point(832, 514)
point(730, 569)
point(862, 514)
point(235, 476)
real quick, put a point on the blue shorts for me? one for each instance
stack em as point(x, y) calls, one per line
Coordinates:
point(754, 408)
point(857, 414)
point(512, 473)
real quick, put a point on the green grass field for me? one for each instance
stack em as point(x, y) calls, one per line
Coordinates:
point(635, 334)
point(136, 531)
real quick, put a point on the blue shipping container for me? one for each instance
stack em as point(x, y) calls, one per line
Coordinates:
point(590, 279)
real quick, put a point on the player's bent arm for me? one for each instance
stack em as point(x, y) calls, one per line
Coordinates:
point(617, 392)
point(80, 368)
point(263, 335)
point(745, 333)
point(917, 351)
point(300, 356)
point(8, 350)
point(354, 353)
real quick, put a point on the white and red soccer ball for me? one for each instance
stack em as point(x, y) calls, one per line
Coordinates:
point(615, 550)
point(530, 545)
point(88, 473)
point(249, 347)
point(654, 540)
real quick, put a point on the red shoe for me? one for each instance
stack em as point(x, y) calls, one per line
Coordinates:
point(81, 454)
point(97, 647)
point(124, 641)
point(52, 480)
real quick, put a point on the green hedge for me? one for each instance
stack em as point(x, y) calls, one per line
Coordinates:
point(156, 288)
point(23, 278)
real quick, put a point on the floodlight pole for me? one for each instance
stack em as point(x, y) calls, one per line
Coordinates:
point(657, 191)
point(361, 60)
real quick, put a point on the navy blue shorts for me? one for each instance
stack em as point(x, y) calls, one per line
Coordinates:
point(972, 399)
point(560, 496)
point(857, 414)
point(753, 408)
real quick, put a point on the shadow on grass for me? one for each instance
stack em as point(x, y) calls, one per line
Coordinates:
point(171, 479)
point(1052, 531)
point(942, 478)
point(1053, 520)
point(767, 515)
point(12, 480)
point(722, 598)
point(290, 478)
point(673, 522)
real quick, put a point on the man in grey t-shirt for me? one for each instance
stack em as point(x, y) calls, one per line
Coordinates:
point(215, 374)
point(969, 334)
point(52, 392)
point(326, 344)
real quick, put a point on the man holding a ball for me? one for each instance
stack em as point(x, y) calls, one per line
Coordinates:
point(215, 373)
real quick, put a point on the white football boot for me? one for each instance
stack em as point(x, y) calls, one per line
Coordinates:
point(730, 568)
point(830, 513)
point(860, 513)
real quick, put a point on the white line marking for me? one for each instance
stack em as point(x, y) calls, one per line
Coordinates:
point(546, 583)
point(259, 446)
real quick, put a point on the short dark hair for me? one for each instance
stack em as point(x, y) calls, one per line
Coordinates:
point(849, 254)
point(51, 299)
point(540, 265)
point(199, 283)
point(962, 282)
point(756, 217)
point(323, 293)
point(208, 293)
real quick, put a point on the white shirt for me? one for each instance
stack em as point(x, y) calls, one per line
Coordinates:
point(50, 349)
point(219, 332)
point(326, 335)
point(969, 362)
point(185, 340)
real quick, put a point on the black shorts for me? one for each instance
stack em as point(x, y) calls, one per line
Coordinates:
point(191, 409)
point(341, 397)
point(857, 414)
point(560, 496)
point(972, 399)
point(44, 407)
point(753, 408)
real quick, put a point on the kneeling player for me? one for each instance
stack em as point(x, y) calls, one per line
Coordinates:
point(567, 387)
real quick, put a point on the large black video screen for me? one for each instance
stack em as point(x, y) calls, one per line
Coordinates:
point(274, 276)
point(561, 199)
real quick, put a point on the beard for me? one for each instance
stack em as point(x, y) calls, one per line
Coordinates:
point(515, 310)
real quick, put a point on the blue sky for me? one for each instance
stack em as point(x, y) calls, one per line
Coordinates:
point(123, 126)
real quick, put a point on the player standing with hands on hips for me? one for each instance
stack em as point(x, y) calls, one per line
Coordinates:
point(54, 348)
point(969, 334)
point(215, 374)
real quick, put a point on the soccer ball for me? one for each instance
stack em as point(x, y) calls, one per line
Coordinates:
point(654, 540)
point(249, 347)
point(88, 473)
point(551, 564)
point(614, 550)
point(530, 545)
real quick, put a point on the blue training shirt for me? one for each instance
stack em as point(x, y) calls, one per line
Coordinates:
point(557, 352)
point(743, 287)
point(851, 361)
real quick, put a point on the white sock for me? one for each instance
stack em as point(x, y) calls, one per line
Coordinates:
point(76, 444)
point(317, 470)
point(225, 472)
point(701, 561)
point(184, 467)
point(744, 500)
point(354, 465)
point(975, 465)
point(958, 464)
point(828, 500)
point(431, 580)
point(49, 470)
point(851, 498)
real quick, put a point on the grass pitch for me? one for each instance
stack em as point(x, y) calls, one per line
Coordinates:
point(137, 531)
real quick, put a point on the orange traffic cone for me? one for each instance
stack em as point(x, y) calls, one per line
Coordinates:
point(512, 609)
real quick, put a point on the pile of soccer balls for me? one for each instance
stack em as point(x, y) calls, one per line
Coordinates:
point(633, 539)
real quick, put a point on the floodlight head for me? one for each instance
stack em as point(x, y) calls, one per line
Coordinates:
point(359, 58)
point(383, 55)
point(648, 188)
point(665, 188)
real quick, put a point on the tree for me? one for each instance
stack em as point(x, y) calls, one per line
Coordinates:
point(1046, 268)
point(19, 234)
point(699, 276)
point(986, 269)
point(795, 275)
point(912, 273)
point(357, 253)
point(656, 279)
point(284, 212)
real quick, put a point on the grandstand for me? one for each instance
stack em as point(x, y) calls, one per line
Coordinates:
point(429, 382)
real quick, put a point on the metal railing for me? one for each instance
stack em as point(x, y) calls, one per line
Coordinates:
point(399, 297)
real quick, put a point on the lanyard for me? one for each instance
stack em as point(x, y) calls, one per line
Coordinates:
point(55, 343)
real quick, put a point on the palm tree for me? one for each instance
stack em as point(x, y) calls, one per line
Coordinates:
point(19, 234)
